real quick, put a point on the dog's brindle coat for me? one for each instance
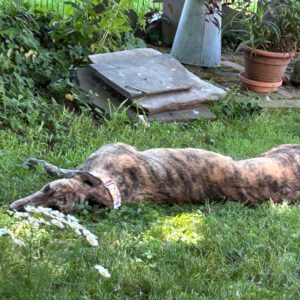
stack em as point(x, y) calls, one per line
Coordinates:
point(175, 176)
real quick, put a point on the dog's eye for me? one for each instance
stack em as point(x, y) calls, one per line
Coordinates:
point(47, 189)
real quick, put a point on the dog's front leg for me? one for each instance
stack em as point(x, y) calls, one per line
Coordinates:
point(50, 169)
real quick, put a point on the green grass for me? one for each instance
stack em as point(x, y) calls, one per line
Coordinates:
point(209, 251)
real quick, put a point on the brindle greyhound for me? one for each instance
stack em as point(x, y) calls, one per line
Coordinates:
point(118, 173)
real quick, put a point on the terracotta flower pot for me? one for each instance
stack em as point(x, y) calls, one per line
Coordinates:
point(265, 66)
point(259, 86)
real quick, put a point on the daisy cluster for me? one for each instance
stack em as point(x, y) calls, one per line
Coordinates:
point(37, 216)
point(43, 215)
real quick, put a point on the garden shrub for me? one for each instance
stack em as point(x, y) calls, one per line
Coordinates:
point(39, 52)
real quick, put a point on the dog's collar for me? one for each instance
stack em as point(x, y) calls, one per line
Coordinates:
point(113, 190)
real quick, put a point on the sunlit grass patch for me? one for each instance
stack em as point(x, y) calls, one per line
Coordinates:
point(185, 227)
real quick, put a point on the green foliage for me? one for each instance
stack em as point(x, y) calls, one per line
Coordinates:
point(271, 26)
point(28, 71)
point(233, 107)
point(39, 54)
point(96, 24)
point(133, 42)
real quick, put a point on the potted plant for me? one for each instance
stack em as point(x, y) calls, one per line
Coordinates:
point(269, 35)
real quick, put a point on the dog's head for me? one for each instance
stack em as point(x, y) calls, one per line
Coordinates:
point(64, 194)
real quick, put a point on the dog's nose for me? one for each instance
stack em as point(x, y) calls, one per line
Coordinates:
point(16, 207)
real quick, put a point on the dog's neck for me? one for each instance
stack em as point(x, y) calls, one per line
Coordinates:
point(111, 187)
point(113, 190)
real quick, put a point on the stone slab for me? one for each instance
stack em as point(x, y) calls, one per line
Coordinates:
point(183, 115)
point(104, 98)
point(108, 101)
point(139, 76)
point(166, 107)
point(201, 92)
point(106, 57)
point(289, 92)
point(294, 104)
point(233, 65)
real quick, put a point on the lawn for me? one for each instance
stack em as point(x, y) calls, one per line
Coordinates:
point(208, 251)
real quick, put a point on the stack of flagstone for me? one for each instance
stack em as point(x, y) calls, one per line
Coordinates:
point(154, 82)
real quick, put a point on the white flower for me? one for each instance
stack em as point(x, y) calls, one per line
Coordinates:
point(30, 208)
point(58, 214)
point(102, 271)
point(21, 214)
point(74, 225)
point(48, 214)
point(60, 219)
point(72, 218)
point(43, 209)
point(18, 242)
point(77, 231)
point(87, 232)
point(54, 217)
point(4, 231)
point(9, 52)
point(92, 240)
point(41, 220)
point(33, 221)
point(57, 223)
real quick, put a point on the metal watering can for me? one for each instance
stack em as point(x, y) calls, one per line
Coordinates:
point(198, 40)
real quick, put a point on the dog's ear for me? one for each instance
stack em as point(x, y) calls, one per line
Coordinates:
point(89, 179)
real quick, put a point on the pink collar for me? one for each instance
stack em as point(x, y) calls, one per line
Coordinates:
point(113, 190)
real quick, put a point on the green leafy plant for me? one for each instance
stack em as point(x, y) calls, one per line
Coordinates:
point(97, 24)
point(33, 71)
point(39, 52)
point(271, 26)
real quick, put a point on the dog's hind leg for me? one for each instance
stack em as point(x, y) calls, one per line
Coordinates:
point(50, 169)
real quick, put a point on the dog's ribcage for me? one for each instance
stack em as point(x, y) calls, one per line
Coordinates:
point(193, 175)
